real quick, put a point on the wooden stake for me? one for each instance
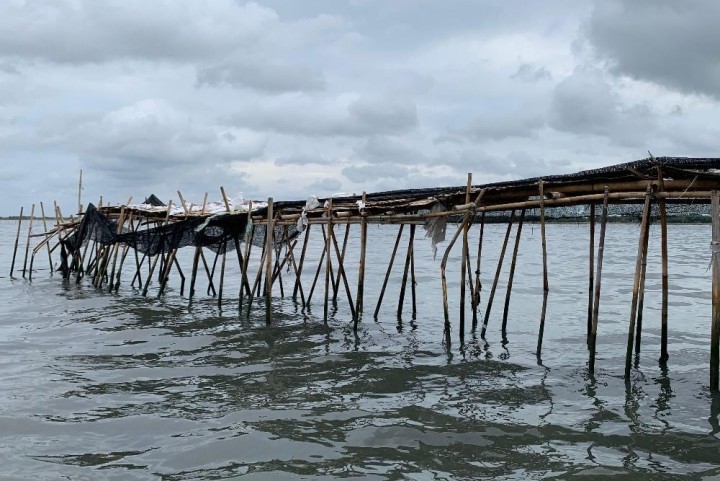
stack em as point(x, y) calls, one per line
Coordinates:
point(295, 266)
point(361, 267)
point(598, 278)
point(389, 269)
point(27, 246)
point(222, 273)
point(641, 293)
point(341, 274)
point(546, 288)
point(412, 272)
point(182, 203)
point(270, 242)
point(298, 278)
point(17, 241)
point(497, 275)
point(193, 275)
point(408, 259)
point(80, 209)
point(591, 271)
point(328, 263)
point(512, 273)
point(225, 199)
point(443, 264)
point(478, 285)
point(464, 262)
point(42, 210)
point(341, 260)
point(636, 283)
point(664, 260)
point(319, 267)
point(715, 327)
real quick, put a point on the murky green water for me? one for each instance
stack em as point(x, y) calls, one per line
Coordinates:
point(100, 386)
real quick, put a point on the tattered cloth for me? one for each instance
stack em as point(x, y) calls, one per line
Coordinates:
point(219, 233)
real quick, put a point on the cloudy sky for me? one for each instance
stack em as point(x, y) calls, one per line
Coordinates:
point(290, 98)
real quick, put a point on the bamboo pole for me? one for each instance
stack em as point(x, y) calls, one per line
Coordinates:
point(715, 327)
point(478, 285)
point(408, 259)
point(182, 203)
point(341, 259)
point(154, 263)
point(591, 270)
point(211, 284)
point(491, 297)
point(294, 264)
point(116, 249)
point(42, 210)
point(180, 273)
point(222, 273)
point(412, 273)
point(225, 199)
point(319, 267)
point(464, 264)
point(443, 264)
point(546, 287)
point(636, 284)
point(17, 241)
point(598, 278)
point(664, 261)
point(512, 273)
point(27, 246)
point(244, 281)
point(641, 293)
point(80, 209)
point(165, 274)
point(360, 297)
point(269, 239)
point(341, 274)
point(193, 275)
point(298, 278)
point(328, 263)
point(389, 269)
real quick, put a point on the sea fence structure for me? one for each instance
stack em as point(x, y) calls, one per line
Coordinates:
point(110, 245)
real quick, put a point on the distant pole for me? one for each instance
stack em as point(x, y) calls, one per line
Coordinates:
point(17, 240)
point(27, 246)
point(80, 209)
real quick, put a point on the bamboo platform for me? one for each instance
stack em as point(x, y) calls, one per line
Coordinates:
point(102, 242)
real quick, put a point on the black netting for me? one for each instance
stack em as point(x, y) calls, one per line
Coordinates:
point(220, 232)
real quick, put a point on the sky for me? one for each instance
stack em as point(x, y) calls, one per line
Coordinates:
point(289, 98)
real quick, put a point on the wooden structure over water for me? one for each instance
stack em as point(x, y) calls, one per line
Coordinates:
point(100, 244)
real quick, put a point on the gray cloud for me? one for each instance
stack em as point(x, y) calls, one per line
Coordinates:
point(266, 75)
point(498, 127)
point(367, 173)
point(385, 150)
point(662, 41)
point(66, 31)
point(363, 116)
point(302, 159)
point(585, 103)
point(531, 73)
point(326, 186)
